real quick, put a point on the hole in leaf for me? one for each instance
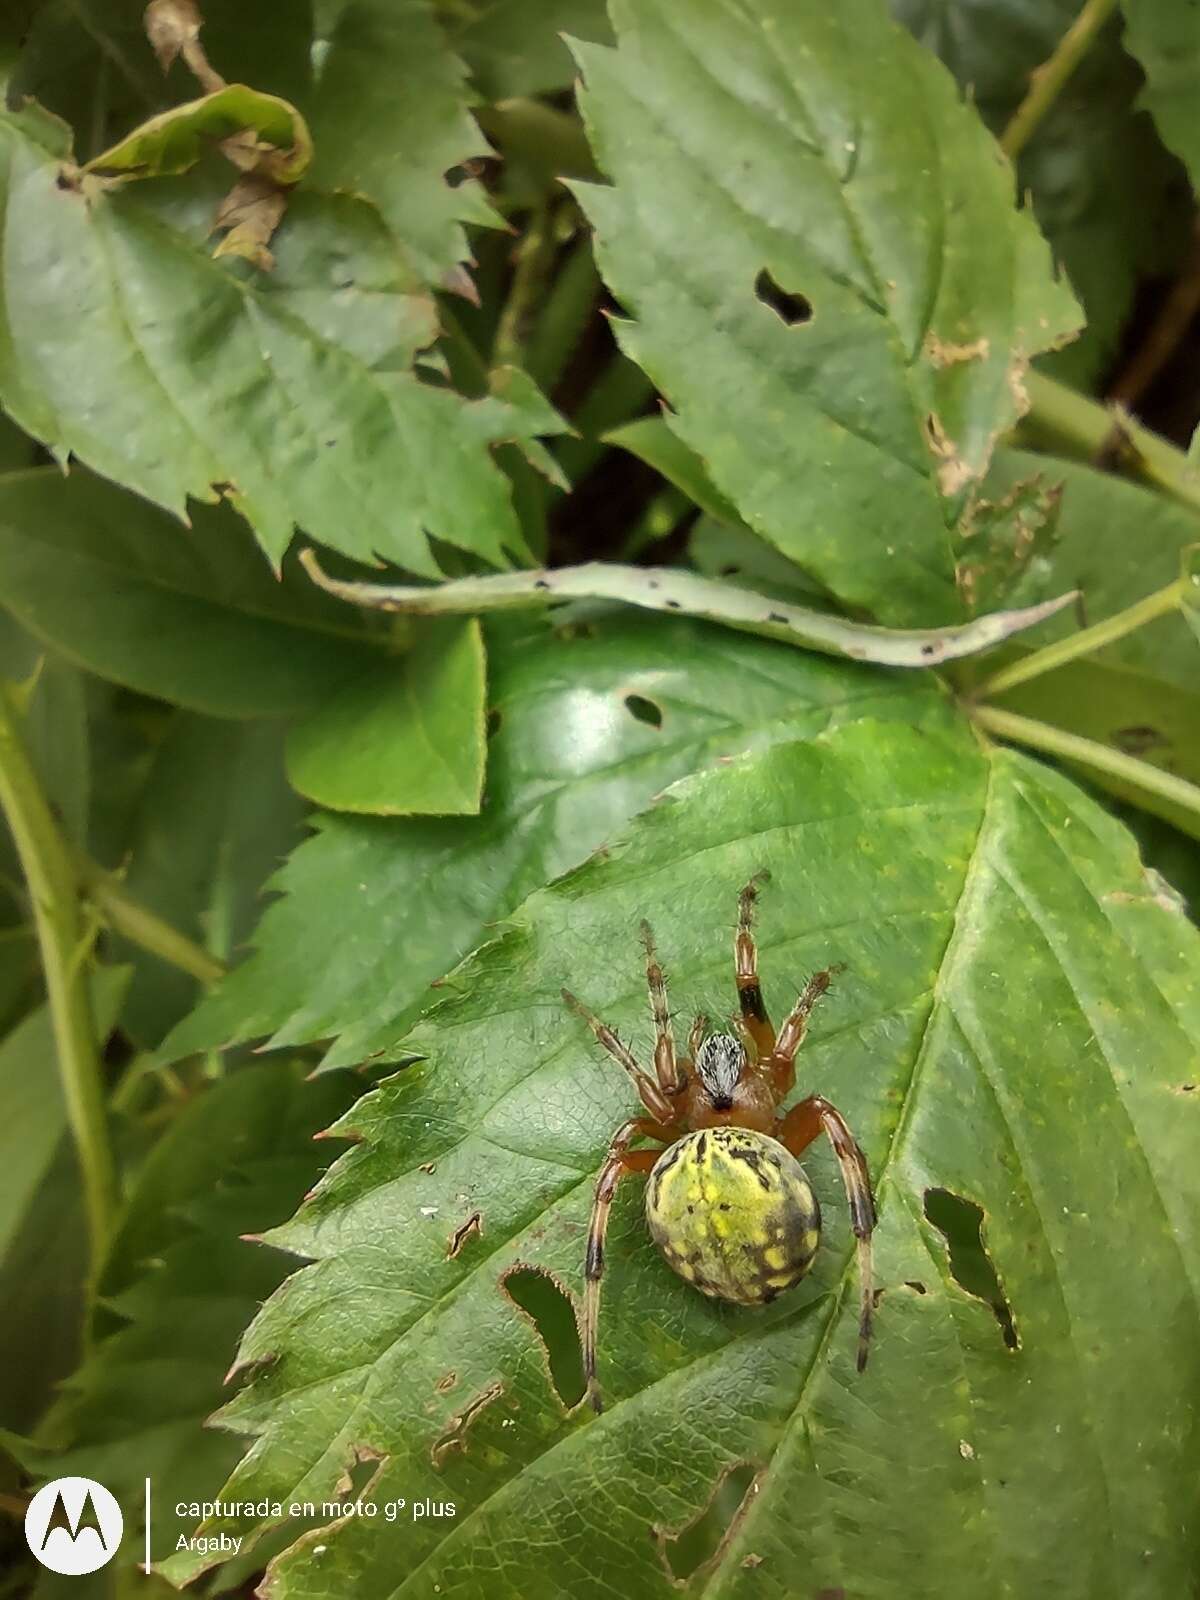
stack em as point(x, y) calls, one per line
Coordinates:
point(454, 1435)
point(915, 1286)
point(960, 1222)
point(789, 308)
point(644, 710)
point(697, 1543)
point(548, 1306)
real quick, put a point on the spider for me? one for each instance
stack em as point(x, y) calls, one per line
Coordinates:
point(727, 1202)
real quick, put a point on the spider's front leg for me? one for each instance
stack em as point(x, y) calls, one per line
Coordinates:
point(755, 1023)
point(782, 1063)
point(670, 1074)
point(650, 1094)
point(797, 1130)
point(621, 1159)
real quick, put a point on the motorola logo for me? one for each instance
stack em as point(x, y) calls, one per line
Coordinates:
point(73, 1526)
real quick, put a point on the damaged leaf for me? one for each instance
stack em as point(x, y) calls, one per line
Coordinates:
point(568, 763)
point(1000, 540)
point(178, 376)
point(826, 149)
point(262, 135)
point(391, 120)
point(175, 140)
point(173, 29)
point(945, 877)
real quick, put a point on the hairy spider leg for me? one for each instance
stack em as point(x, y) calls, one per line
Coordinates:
point(671, 1077)
point(755, 1022)
point(797, 1131)
point(696, 1037)
point(782, 1063)
point(621, 1159)
point(652, 1097)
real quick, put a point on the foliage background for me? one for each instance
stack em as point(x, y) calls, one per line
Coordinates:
point(886, 315)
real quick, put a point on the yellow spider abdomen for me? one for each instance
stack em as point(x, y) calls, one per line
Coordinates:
point(734, 1214)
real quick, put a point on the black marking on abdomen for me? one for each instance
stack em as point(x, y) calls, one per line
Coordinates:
point(754, 1161)
point(594, 1264)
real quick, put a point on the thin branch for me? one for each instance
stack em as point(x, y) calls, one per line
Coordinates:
point(688, 593)
point(1174, 319)
point(1046, 82)
point(128, 916)
point(62, 937)
point(1072, 747)
point(1069, 422)
point(1159, 604)
point(534, 257)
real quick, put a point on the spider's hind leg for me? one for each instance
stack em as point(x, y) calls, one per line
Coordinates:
point(621, 1159)
point(803, 1123)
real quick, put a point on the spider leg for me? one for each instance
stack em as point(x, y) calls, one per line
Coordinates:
point(621, 1159)
point(652, 1097)
point(670, 1077)
point(755, 1020)
point(696, 1037)
point(797, 1131)
point(795, 1026)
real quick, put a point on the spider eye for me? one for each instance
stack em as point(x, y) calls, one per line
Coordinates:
point(719, 1061)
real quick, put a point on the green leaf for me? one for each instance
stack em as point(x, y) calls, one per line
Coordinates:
point(41, 1226)
point(652, 441)
point(193, 616)
point(588, 727)
point(1111, 200)
point(214, 820)
point(1164, 35)
point(1191, 593)
point(177, 1288)
point(32, 1115)
point(1141, 694)
point(175, 140)
point(826, 275)
point(390, 121)
point(406, 738)
point(948, 879)
point(516, 48)
point(124, 343)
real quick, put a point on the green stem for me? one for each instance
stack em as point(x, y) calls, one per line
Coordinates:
point(1057, 742)
point(1069, 422)
point(690, 594)
point(1159, 604)
point(563, 317)
point(1046, 82)
point(552, 141)
point(535, 253)
point(143, 927)
point(62, 936)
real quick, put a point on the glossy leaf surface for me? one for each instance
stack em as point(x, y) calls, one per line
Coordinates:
point(193, 378)
point(407, 736)
point(587, 729)
point(826, 276)
point(1015, 1028)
